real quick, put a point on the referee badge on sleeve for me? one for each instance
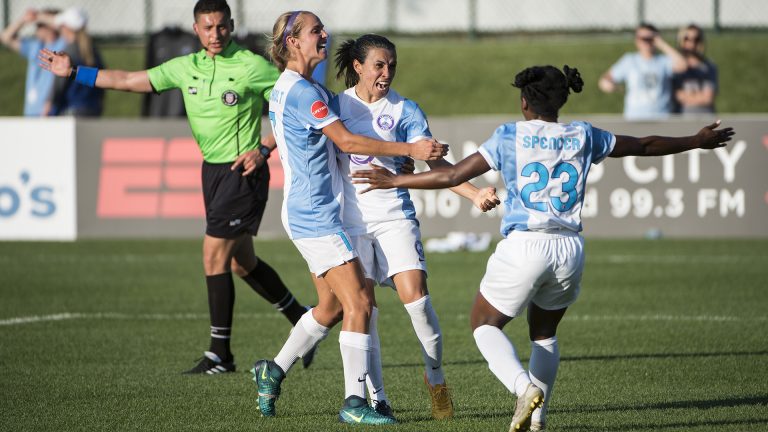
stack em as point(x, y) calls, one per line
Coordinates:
point(230, 98)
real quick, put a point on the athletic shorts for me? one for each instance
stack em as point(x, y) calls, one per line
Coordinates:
point(327, 252)
point(543, 268)
point(233, 204)
point(390, 248)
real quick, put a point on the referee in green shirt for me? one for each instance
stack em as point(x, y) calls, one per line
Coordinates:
point(224, 88)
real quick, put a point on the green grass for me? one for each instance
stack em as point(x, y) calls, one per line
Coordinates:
point(667, 335)
point(456, 76)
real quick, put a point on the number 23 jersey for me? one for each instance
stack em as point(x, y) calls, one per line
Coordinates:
point(544, 166)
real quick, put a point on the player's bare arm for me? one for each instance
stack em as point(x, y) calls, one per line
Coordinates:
point(709, 137)
point(484, 199)
point(60, 64)
point(426, 149)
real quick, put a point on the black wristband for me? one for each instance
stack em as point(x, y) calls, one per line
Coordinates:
point(265, 151)
point(73, 74)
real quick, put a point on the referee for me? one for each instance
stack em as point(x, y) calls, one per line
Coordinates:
point(224, 87)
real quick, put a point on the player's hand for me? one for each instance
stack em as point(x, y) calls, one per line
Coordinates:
point(428, 149)
point(709, 137)
point(57, 62)
point(408, 166)
point(377, 177)
point(485, 199)
point(30, 16)
point(250, 161)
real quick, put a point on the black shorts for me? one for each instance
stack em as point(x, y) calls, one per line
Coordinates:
point(233, 204)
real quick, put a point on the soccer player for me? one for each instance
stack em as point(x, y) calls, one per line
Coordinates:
point(383, 224)
point(306, 129)
point(544, 165)
point(224, 88)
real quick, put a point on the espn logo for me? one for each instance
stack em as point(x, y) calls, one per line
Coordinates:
point(155, 178)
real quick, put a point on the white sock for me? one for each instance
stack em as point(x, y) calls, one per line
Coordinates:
point(545, 358)
point(427, 328)
point(305, 334)
point(502, 358)
point(355, 349)
point(375, 380)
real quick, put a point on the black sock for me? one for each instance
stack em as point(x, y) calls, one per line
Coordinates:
point(265, 281)
point(221, 303)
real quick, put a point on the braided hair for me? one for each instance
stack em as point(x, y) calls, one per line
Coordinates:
point(357, 49)
point(546, 88)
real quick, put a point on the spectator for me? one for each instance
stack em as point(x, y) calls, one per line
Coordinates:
point(39, 83)
point(70, 97)
point(695, 88)
point(647, 74)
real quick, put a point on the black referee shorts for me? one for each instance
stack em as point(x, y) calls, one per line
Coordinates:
point(233, 204)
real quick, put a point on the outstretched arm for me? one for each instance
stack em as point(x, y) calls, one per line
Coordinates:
point(438, 178)
point(10, 35)
point(709, 137)
point(60, 64)
point(484, 199)
point(359, 144)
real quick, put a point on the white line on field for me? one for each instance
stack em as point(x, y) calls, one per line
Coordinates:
point(199, 316)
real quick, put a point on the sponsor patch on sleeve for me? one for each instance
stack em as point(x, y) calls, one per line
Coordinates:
point(319, 110)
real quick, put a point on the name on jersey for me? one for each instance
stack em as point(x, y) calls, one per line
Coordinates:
point(551, 143)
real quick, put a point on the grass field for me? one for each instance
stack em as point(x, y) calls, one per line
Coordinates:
point(667, 335)
point(456, 76)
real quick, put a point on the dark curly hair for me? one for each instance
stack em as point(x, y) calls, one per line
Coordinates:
point(357, 49)
point(546, 88)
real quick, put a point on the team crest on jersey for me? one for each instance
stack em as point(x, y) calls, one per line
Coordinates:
point(192, 90)
point(385, 122)
point(420, 250)
point(360, 160)
point(230, 98)
point(319, 110)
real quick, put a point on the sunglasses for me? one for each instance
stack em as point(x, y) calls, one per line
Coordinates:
point(696, 39)
point(645, 39)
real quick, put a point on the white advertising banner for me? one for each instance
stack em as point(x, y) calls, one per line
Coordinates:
point(37, 179)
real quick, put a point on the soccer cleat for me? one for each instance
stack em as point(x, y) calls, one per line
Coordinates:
point(211, 364)
point(307, 358)
point(357, 411)
point(442, 405)
point(537, 426)
point(268, 377)
point(383, 408)
point(529, 401)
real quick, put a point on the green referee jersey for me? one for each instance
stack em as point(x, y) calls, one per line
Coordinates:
point(223, 96)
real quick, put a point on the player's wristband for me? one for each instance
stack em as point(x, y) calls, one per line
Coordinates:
point(86, 75)
point(265, 151)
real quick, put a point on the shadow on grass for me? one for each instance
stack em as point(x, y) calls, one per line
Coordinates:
point(657, 426)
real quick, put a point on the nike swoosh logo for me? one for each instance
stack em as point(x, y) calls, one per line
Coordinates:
point(353, 417)
point(378, 390)
point(436, 368)
point(264, 372)
point(361, 379)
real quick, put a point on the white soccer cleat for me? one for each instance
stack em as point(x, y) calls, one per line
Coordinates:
point(529, 401)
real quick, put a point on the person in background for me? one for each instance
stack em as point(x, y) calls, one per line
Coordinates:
point(538, 265)
point(647, 76)
point(39, 83)
point(695, 88)
point(69, 97)
point(224, 113)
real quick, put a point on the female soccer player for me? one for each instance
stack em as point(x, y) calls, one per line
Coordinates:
point(304, 126)
point(383, 223)
point(544, 165)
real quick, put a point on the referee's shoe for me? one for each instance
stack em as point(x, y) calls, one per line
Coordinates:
point(211, 364)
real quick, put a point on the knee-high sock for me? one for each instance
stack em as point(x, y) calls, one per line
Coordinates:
point(375, 380)
point(502, 358)
point(305, 334)
point(427, 328)
point(267, 283)
point(221, 303)
point(355, 349)
point(545, 358)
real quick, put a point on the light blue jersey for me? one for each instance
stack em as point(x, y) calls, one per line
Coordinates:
point(298, 111)
point(544, 166)
point(391, 118)
point(648, 93)
point(39, 82)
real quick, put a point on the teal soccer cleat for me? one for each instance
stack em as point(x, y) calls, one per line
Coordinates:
point(268, 377)
point(357, 411)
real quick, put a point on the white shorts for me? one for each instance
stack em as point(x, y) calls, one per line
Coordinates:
point(325, 253)
point(390, 248)
point(544, 268)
